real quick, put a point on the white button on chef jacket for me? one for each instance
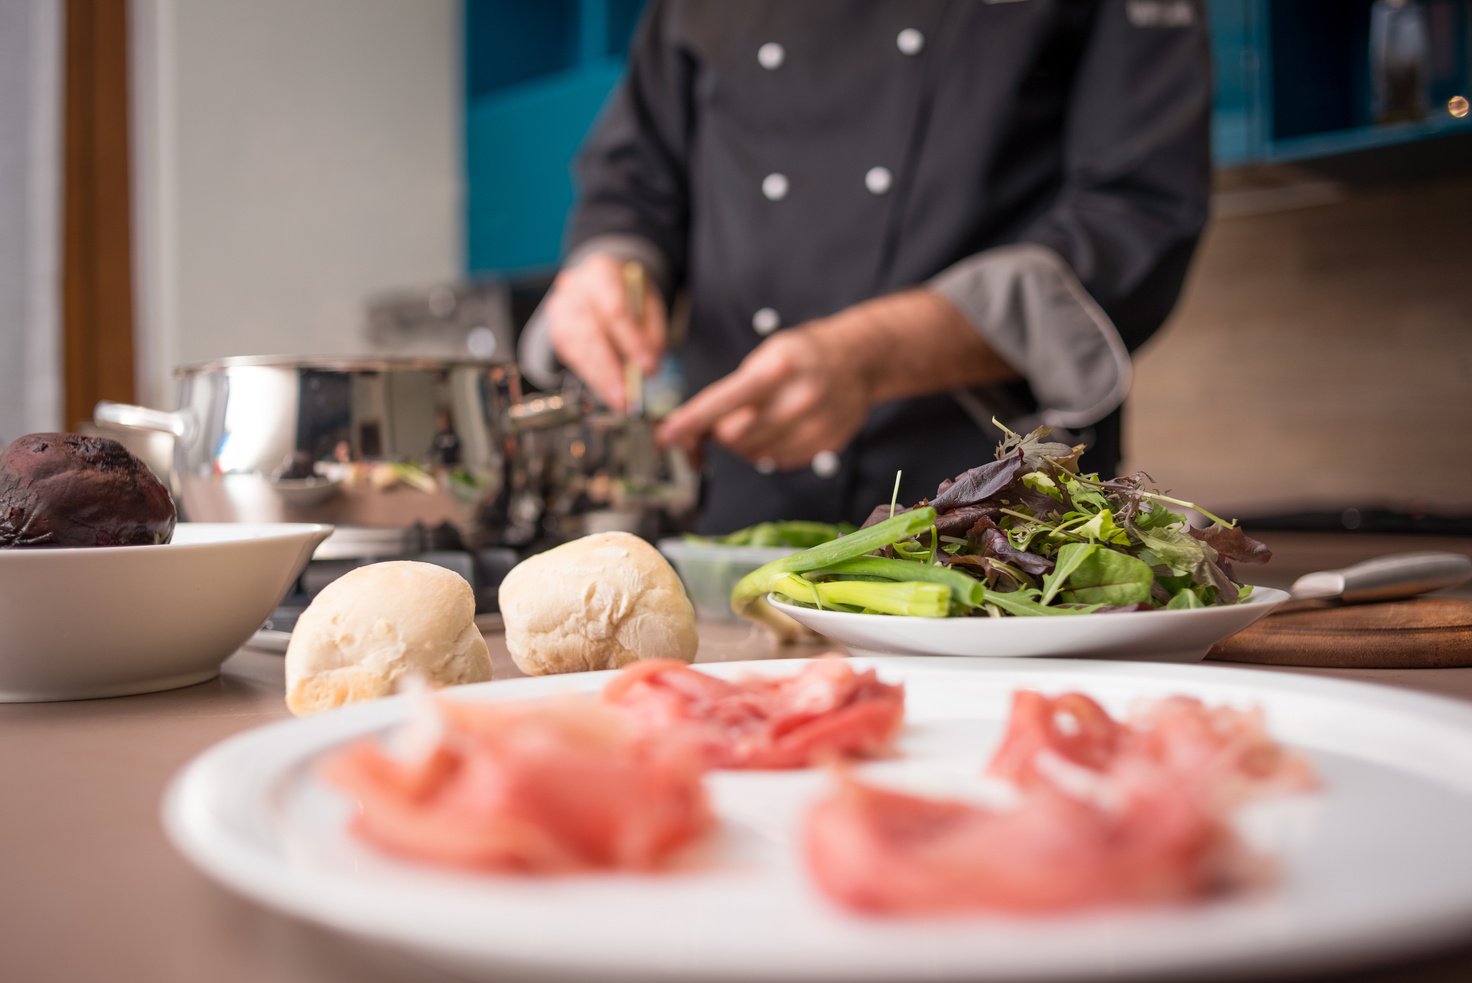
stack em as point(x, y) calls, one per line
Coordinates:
point(825, 464)
point(765, 321)
point(771, 55)
point(774, 186)
point(878, 180)
point(910, 41)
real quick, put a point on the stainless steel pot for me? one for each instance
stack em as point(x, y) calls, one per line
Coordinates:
point(602, 472)
point(390, 450)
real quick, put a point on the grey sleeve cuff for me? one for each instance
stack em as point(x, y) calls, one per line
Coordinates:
point(1027, 303)
point(534, 351)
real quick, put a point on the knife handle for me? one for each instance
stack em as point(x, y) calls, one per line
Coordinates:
point(1387, 577)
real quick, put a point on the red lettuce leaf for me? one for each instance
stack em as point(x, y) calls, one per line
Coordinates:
point(1231, 543)
point(977, 485)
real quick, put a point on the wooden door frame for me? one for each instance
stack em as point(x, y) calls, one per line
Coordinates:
point(97, 246)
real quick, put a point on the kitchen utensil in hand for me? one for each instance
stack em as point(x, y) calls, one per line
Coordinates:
point(635, 285)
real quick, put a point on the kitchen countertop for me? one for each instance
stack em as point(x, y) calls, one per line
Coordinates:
point(93, 890)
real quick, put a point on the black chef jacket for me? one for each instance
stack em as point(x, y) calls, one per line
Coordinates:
point(1042, 163)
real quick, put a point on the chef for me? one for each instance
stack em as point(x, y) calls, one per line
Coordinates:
point(893, 222)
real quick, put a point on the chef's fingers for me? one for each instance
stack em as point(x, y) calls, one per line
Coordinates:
point(731, 430)
point(753, 435)
point(752, 381)
point(799, 445)
point(581, 340)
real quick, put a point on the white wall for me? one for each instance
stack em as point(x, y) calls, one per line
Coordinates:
point(292, 158)
point(30, 216)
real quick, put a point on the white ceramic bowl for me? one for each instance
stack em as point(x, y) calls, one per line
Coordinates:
point(710, 570)
point(1143, 636)
point(83, 623)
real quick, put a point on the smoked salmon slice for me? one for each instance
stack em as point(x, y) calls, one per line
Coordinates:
point(541, 787)
point(826, 711)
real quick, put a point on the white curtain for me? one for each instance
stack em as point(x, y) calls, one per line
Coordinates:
point(30, 216)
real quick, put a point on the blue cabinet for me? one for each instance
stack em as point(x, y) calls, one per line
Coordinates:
point(1294, 80)
point(1298, 79)
point(1236, 126)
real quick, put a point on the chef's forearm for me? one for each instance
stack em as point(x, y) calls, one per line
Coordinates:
point(911, 344)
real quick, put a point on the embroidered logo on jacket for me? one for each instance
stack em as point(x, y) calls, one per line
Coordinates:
point(1161, 13)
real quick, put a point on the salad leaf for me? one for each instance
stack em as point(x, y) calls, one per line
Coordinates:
point(1070, 558)
point(1105, 576)
point(987, 538)
point(1234, 544)
point(1101, 529)
point(1036, 450)
point(1040, 482)
point(1024, 603)
point(1185, 598)
point(1176, 549)
point(978, 484)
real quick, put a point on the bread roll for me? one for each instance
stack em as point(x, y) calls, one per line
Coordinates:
point(599, 602)
point(378, 623)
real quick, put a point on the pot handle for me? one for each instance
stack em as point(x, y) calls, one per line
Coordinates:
point(142, 418)
point(545, 411)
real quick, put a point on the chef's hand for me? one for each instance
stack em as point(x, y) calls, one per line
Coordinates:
point(809, 389)
point(594, 332)
point(798, 393)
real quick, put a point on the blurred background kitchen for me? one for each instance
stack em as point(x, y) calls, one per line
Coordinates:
point(182, 180)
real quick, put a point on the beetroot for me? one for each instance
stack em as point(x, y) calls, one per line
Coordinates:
point(66, 489)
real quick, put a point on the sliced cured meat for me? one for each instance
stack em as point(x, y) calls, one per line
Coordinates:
point(823, 712)
point(1110, 812)
point(885, 852)
point(1072, 726)
point(540, 787)
point(1226, 749)
point(1221, 752)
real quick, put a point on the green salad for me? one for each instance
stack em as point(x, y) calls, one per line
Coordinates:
point(1024, 535)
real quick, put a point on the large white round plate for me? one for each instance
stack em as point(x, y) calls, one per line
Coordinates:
point(111, 621)
point(1379, 862)
point(1149, 636)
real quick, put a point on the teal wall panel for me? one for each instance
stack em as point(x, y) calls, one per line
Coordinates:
point(519, 148)
point(536, 75)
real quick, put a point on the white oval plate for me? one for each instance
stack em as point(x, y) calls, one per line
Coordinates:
point(92, 622)
point(1145, 636)
point(1377, 863)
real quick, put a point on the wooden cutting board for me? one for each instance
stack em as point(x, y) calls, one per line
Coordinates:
point(1424, 632)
